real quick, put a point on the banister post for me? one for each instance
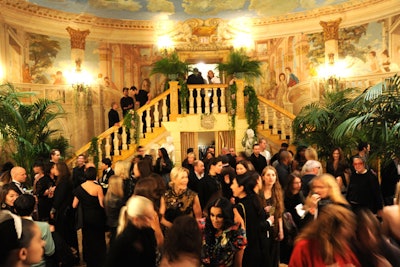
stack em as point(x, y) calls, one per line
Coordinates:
point(173, 102)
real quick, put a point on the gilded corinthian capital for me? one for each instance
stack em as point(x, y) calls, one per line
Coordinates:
point(331, 29)
point(77, 38)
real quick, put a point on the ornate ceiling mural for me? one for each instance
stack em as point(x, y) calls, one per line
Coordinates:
point(185, 9)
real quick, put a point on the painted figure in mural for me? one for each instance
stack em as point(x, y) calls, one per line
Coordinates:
point(281, 90)
point(312, 70)
point(386, 65)
point(59, 78)
point(373, 62)
point(291, 78)
point(26, 74)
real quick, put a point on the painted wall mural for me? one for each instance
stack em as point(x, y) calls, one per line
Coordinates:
point(286, 61)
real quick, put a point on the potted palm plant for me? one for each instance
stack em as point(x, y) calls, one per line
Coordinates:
point(241, 66)
point(171, 66)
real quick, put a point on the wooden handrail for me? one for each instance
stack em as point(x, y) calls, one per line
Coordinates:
point(154, 101)
point(276, 107)
point(207, 86)
point(112, 129)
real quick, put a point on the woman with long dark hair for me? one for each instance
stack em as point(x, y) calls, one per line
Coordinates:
point(249, 206)
point(272, 196)
point(62, 211)
point(163, 165)
point(223, 239)
point(339, 168)
point(326, 240)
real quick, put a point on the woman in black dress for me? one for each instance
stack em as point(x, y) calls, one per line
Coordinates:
point(249, 206)
point(90, 196)
point(44, 191)
point(62, 212)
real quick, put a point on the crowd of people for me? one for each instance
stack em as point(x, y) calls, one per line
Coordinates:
point(224, 210)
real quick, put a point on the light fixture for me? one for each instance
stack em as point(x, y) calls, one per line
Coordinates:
point(333, 71)
point(79, 78)
point(165, 44)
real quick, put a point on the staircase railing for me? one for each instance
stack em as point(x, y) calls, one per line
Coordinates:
point(202, 98)
point(120, 143)
point(275, 118)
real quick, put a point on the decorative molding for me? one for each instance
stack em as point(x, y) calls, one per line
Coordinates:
point(33, 9)
point(33, 18)
point(78, 38)
point(331, 29)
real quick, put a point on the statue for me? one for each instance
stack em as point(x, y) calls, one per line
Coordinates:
point(248, 141)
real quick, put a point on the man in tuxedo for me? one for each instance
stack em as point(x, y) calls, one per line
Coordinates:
point(18, 178)
point(107, 170)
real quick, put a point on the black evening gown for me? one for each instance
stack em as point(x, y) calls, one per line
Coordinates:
point(93, 229)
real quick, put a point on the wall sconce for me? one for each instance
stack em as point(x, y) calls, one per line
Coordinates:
point(333, 71)
point(79, 78)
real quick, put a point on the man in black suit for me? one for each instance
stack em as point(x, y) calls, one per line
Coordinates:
point(195, 77)
point(18, 178)
point(78, 172)
point(107, 170)
point(258, 160)
point(113, 120)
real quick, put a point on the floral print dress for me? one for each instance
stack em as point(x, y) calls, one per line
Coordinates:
point(220, 252)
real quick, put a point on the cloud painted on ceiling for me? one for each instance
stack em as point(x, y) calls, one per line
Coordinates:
point(184, 9)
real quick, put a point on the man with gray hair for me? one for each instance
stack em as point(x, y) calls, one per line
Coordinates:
point(310, 169)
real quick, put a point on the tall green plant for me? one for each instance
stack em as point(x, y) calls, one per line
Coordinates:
point(238, 62)
point(316, 123)
point(25, 127)
point(375, 115)
point(170, 65)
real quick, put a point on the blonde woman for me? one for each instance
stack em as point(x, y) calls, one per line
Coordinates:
point(179, 199)
point(122, 169)
point(136, 239)
point(324, 190)
point(272, 196)
point(311, 153)
point(113, 202)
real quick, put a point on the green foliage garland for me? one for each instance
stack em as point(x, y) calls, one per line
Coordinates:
point(252, 112)
point(233, 92)
point(132, 121)
point(94, 150)
point(183, 94)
